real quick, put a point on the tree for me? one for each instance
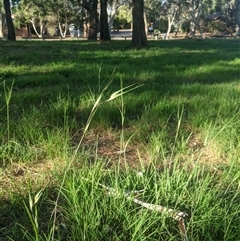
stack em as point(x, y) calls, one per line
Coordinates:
point(193, 12)
point(108, 9)
point(164, 14)
point(104, 27)
point(123, 18)
point(1, 19)
point(139, 38)
point(233, 14)
point(112, 8)
point(11, 33)
point(46, 15)
point(237, 17)
point(59, 14)
point(34, 12)
point(171, 10)
point(91, 6)
point(153, 10)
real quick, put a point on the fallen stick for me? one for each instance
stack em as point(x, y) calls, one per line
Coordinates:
point(176, 215)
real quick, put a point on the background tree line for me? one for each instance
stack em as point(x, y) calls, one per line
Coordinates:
point(100, 16)
point(47, 16)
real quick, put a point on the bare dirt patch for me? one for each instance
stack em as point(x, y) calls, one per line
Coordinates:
point(108, 146)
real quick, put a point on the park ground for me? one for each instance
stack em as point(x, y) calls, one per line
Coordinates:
point(77, 116)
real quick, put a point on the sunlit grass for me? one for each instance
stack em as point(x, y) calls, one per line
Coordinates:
point(179, 129)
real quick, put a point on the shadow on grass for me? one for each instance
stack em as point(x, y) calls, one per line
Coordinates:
point(45, 72)
point(165, 65)
point(168, 68)
point(69, 58)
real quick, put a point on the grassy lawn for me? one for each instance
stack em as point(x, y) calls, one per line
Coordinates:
point(79, 117)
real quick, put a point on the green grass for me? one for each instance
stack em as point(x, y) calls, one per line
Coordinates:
point(179, 129)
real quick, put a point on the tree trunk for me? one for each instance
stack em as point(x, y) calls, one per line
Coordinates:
point(29, 30)
point(139, 38)
point(111, 15)
point(170, 23)
point(192, 29)
point(200, 30)
point(63, 32)
point(39, 34)
point(171, 19)
point(238, 17)
point(104, 27)
point(93, 21)
point(85, 29)
point(110, 22)
point(11, 33)
point(177, 30)
point(145, 22)
point(91, 26)
point(1, 24)
point(195, 11)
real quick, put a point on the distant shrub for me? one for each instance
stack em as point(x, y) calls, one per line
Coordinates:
point(162, 25)
point(186, 26)
point(217, 26)
point(121, 23)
